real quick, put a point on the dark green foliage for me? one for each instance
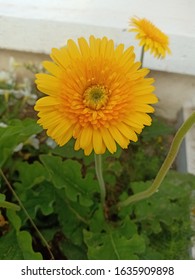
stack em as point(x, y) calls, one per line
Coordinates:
point(107, 241)
point(61, 194)
point(163, 218)
point(17, 244)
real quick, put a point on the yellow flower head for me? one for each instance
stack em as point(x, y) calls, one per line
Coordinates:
point(96, 94)
point(150, 37)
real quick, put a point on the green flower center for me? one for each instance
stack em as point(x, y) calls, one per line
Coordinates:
point(95, 97)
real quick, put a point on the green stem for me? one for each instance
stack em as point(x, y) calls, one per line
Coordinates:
point(98, 169)
point(142, 56)
point(166, 165)
point(26, 213)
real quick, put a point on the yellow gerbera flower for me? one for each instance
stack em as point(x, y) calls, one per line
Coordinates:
point(150, 37)
point(96, 94)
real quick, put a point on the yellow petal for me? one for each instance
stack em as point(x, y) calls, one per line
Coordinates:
point(52, 68)
point(73, 49)
point(97, 141)
point(46, 101)
point(108, 140)
point(144, 108)
point(84, 47)
point(128, 132)
point(86, 137)
point(118, 137)
point(149, 98)
point(88, 150)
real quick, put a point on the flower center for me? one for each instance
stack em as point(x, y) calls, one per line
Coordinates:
point(95, 97)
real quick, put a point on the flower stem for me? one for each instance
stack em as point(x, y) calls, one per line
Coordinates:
point(165, 166)
point(98, 169)
point(26, 213)
point(142, 56)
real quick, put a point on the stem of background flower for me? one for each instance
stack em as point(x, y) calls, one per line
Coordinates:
point(98, 169)
point(142, 56)
point(166, 165)
point(26, 213)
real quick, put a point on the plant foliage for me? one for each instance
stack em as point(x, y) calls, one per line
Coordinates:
point(60, 192)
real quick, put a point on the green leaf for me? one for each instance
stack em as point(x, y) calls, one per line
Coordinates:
point(16, 132)
point(17, 244)
point(67, 151)
point(40, 197)
point(33, 188)
point(72, 218)
point(31, 174)
point(71, 251)
point(113, 246)
point(168, 204)
point(54, 166)
point(164, 217)
point(67, 175)
point(9, 247)
point(107, 242)
point(8, 205)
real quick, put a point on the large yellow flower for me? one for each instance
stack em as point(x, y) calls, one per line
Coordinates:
point(150, 37)
point(96, 94)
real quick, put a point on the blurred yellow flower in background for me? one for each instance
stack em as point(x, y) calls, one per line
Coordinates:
point(96, 94)
point(150, 37)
